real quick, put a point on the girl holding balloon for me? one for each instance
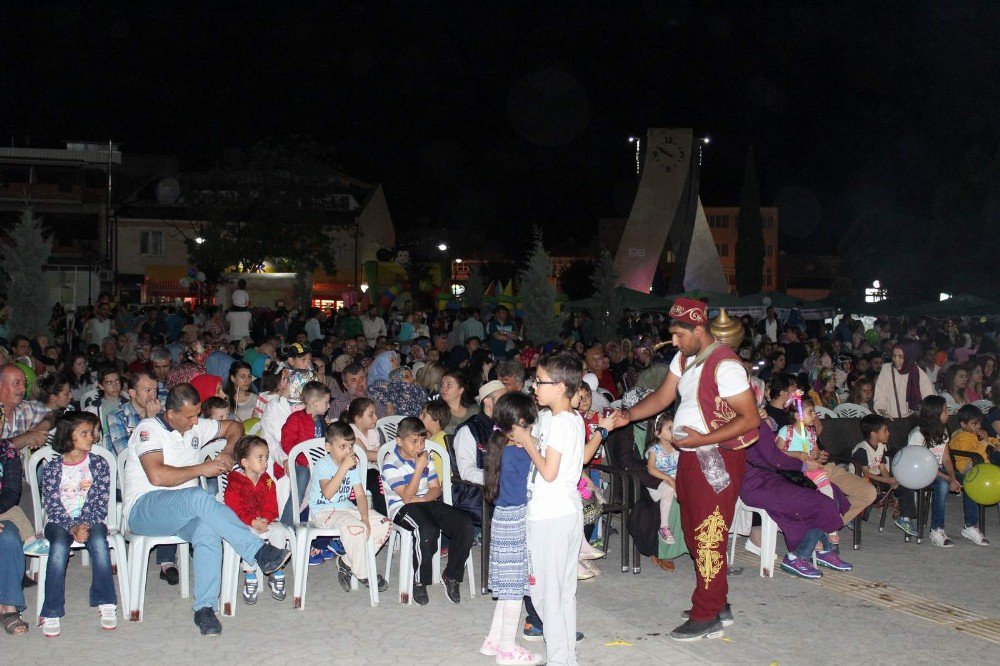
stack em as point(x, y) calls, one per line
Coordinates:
point(932, 433)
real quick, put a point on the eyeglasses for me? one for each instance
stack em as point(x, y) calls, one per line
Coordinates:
point(538, 383)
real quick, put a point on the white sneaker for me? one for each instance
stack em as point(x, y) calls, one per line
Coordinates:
point(939, 538)
point(750, 548)
point(50, 627)
point(109, 617)
point(973, 534)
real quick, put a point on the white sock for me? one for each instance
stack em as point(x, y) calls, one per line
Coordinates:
point(511, 621)
point(165, 566)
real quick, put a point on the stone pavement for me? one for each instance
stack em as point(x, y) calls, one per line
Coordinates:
point(874, 615)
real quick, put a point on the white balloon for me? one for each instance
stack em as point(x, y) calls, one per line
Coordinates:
point(915, 467)
point(201, 276)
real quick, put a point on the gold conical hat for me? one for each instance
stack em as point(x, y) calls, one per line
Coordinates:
point(726, 329)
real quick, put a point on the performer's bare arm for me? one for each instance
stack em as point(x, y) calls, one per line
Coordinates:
point(652, 404)
point(747, 418)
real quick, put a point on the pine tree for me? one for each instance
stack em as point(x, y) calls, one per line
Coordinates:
point(607, 304)
point(27, 293)
point(474, 288)
point(750, 227)
point(539, 295)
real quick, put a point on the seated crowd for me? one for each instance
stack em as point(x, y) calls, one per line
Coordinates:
point(156, 386)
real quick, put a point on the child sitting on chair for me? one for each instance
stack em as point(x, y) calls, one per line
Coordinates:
point(335, 478)
point(252, 495)
point(870, 457)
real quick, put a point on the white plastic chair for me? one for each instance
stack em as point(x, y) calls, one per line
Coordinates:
point(139, 547)
point(406, 537)
point(850, 410)
point(230, 558)
point(616, 404)
point(768, 538)
point(387, 426)
point(313, 450)
point(115, 540)
point(984, 405)
point(825, 413)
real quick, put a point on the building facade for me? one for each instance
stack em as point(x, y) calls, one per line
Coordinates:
point(722, 224)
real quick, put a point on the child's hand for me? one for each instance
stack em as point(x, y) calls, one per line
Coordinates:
point(521, 436)
point(259, 524)
point(422, 459)
point(812, 465)
point(351, 462)
point(80, 532)
point(893, 483)
point(607, 422)
point(368, 526)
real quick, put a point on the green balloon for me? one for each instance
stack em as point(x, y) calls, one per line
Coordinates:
point(249, 424)
point(872, 336)
point(982, 484)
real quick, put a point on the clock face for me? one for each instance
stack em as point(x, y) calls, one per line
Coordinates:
point(667, 154)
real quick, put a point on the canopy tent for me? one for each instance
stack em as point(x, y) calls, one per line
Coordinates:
point(956, 306)
point(630, 299)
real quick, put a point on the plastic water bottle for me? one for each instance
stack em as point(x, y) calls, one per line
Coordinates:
point(713, 467)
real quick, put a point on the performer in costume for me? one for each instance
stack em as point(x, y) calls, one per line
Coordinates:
point(715, 420)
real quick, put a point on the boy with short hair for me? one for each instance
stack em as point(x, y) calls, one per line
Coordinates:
point(555, 511)
point(971, 438)
point(436, 417)
point(215, 408)
point(870, 457)
point(412, 491)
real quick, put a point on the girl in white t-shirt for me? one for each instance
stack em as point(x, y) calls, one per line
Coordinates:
point(362, 417)
point(932, 432)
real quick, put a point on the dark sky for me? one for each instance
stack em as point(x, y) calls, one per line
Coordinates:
point(519, 114)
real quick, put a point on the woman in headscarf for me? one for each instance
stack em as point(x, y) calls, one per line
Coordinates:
point(643, 356)
point(399, 394)
point(192, 365)
point(383, 364)
point(901, 385)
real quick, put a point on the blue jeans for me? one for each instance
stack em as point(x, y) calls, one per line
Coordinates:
point(11, 567)
point(302, 481)
point(939, 501)
point(969, 507)
point(102, 585)
point(808, 543)
point(193, 515)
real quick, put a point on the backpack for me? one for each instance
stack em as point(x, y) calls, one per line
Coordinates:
point(643, 525)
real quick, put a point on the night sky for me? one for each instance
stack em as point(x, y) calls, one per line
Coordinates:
point(520, 114)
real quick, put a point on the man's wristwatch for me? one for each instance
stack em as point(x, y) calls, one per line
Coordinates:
point(603, 432)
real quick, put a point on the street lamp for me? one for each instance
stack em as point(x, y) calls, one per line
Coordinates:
point(443, 247)
point(199, 240)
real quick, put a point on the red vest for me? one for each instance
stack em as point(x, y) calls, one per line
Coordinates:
point(714, 408)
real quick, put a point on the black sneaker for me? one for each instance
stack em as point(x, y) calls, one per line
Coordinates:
point(270, 559)
point(420, 594)
point(170, 575)
point(206, 620)
point(344, 575)
point(383, 584)
point(692, 630)
point(250, 589)
point(725, 616)
point(453, 589)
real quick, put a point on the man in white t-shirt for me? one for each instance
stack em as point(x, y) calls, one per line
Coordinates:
point(239, 324)
point(717, 415)
point(163, 498)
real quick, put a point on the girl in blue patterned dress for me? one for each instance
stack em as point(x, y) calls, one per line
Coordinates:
point(661, 459)
point(506, 468)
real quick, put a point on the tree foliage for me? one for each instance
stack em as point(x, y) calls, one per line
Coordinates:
point(474, 288)
point(575, 279)
point(539, 295)
point(274, 201)
point(607, 305)
point(23, 259)
point(750, 227)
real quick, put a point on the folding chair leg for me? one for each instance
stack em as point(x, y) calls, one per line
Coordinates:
point(121, 559)
point(43, 561)
point(184, 568)
point(768, 546)
point(372, 573)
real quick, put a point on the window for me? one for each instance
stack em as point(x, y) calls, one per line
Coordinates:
point(722, 249)
point(768, 250)
point(718, 221)
point(768, 221)
point(151, 243)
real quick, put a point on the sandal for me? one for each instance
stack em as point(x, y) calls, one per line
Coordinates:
point(12, 622)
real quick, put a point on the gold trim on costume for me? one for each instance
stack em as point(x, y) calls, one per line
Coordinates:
point(709, 535)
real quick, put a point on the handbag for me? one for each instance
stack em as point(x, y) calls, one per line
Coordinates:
point(793, 476)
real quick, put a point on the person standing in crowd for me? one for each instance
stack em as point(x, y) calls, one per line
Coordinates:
point(373, 326)
point(711, 382)
point(902, 384)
